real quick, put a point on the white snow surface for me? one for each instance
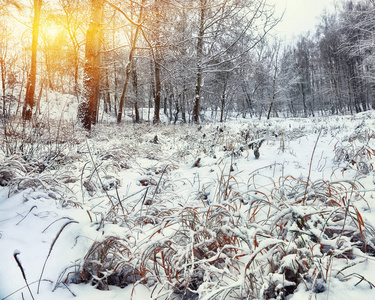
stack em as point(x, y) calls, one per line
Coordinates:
point(182, 167)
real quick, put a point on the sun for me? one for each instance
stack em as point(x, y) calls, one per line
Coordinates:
point(51, 31)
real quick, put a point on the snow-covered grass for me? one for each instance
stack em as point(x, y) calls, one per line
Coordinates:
point(188, 211)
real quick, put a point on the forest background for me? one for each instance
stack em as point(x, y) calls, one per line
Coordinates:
point(184, 59)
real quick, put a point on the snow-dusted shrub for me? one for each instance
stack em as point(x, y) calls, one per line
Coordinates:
point(307, 226)
point(357, 151)
point(109, 263)
point(115, 159)
point(10, 170)
point(20, 177)
point(185, 248)
point(239, 238)
point(41, 143)
point(261, 250)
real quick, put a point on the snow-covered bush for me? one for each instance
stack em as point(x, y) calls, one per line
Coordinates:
point(357, 152)
point(262, 250)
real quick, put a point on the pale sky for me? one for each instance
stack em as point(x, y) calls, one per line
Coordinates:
point(300, 15)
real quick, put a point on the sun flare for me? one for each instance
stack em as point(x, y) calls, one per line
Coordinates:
point(51, 31)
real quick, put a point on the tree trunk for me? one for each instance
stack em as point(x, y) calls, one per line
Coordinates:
point(157, 62)
point(183, 109)
point(270, 110)
point(303, 100)
point(115, 88)
point(3, 75)
point(198, 86)
point(177, 111)
point(165, 104)
point(157, 94)
point(3, 79)
point(76, 73)
point(152, 97)
point(135, 86)
point(31, 81)
point(274, 86)
point(87, 110)
point(223, 102)
point(129, 66)
point(107, 97)
point(170, 104)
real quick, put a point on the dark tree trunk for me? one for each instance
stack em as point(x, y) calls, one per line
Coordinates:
point(177, 111)
point(76, 73)
point(3, 83)
point(170, 104)
point(157, 94)
point(107, 97)
point(157, 61)
point(223, 102)
point(165, 104)
point(198, 86)
point(269, 111)
point(303, 99)
point(183, 101)
point(135, 86)
point(87, 111)
point(31, 81)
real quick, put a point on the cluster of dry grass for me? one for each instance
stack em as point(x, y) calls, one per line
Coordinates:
point(245, 239)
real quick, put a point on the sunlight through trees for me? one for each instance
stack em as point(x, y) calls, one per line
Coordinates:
point(181, 61)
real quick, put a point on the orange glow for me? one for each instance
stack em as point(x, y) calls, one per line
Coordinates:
point(51, 31)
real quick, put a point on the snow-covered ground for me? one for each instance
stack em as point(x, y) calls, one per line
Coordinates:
point(187, 210)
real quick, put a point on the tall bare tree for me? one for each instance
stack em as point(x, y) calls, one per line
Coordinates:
point(200, 44)
point(241, 22)
point(134, 38)
point(87, 111)
point(73, 12)
point(31, 81)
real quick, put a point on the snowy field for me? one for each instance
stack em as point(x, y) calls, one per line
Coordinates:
point(188, 211)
